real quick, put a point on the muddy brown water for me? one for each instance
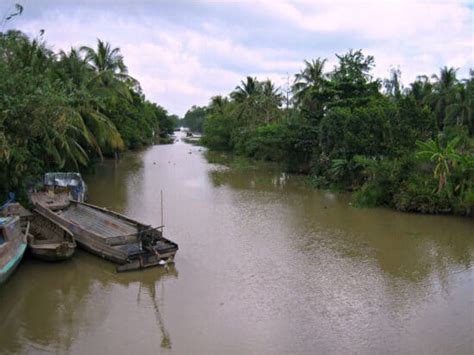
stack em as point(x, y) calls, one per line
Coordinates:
point(266, 266)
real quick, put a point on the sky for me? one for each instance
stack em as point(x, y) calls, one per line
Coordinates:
point(185, 52)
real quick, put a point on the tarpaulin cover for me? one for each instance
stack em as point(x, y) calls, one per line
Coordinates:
point(73, 181)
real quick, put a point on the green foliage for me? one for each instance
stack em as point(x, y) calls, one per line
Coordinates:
point(265, 143)
point(453, 169)
point(235, 124)
point(370, 194)
point(194, 119)
point(444, 158)
point(62, 111)
point(218, 132)
point(301, 144)
point(381, 179)
point(348, 132)
point(416, 195)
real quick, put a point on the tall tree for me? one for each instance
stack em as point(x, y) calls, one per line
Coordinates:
point(311, 79)
point(421, 89)
point(247, 89)
point(443, 94)
point(111, 71)
point(105, 59)
point(461, 110)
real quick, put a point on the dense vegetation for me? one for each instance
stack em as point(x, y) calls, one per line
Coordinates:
point(409, 148)
point(194, 119)
point(62, 111)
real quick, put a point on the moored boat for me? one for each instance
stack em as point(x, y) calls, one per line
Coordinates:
point(12, 245)
point(114, 237)
point(48, 240)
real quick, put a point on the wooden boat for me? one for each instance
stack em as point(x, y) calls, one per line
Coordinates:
point(48, 240)
point(114, 237)
point(12, 245)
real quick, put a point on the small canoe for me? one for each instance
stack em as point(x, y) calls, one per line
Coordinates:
point(117, 238)
point(12, 245)
point(48, 240)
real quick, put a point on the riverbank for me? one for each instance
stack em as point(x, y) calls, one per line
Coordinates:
point(356, 197)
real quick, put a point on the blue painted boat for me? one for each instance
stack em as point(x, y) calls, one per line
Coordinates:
point(12, 245)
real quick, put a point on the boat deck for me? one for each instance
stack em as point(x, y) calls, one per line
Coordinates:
point(51, 200)
point(97, 222)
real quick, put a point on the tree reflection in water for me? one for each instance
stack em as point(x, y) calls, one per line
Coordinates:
point(48, 306)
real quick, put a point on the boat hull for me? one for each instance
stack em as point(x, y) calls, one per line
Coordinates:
point(48, 240)
point(7, 270)
point(53, 251)
point(125, 264)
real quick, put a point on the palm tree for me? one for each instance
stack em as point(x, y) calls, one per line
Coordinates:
point(311, 78)
point(269, 90)
point(421, 89)
point(105, 58)
point(20, 52)
point(87, 100)
point(249, 88)
point(64, 138)
point(72, 66)
point(271, 101)
point(443, 94)
point(461, 110)
point(111, 72)
point(218, 103)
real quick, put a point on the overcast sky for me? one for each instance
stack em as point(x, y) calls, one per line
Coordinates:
point(184, 52)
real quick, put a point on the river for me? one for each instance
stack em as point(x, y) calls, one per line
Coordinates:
point(266, 265)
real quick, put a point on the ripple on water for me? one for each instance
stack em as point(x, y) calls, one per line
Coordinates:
point(266, 265)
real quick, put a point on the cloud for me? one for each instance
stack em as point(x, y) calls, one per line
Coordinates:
point(372, 19)
point(418, 36)
point(185, 52)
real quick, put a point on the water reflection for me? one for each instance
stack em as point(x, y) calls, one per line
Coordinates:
point(266, 265)
point(111, 179)
point(56, 304)
point(408, 247)
point(150, 290)
point(375, 270)
point(49, 313)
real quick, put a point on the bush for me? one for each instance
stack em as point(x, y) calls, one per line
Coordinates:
point(217, 130)
point(265, 143)
point(371, 194)
point(417, 194)
point(382, 179)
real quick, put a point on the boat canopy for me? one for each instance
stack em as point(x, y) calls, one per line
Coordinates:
point(73, 181)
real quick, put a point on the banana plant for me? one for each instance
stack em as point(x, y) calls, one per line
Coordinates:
point(444, 158)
